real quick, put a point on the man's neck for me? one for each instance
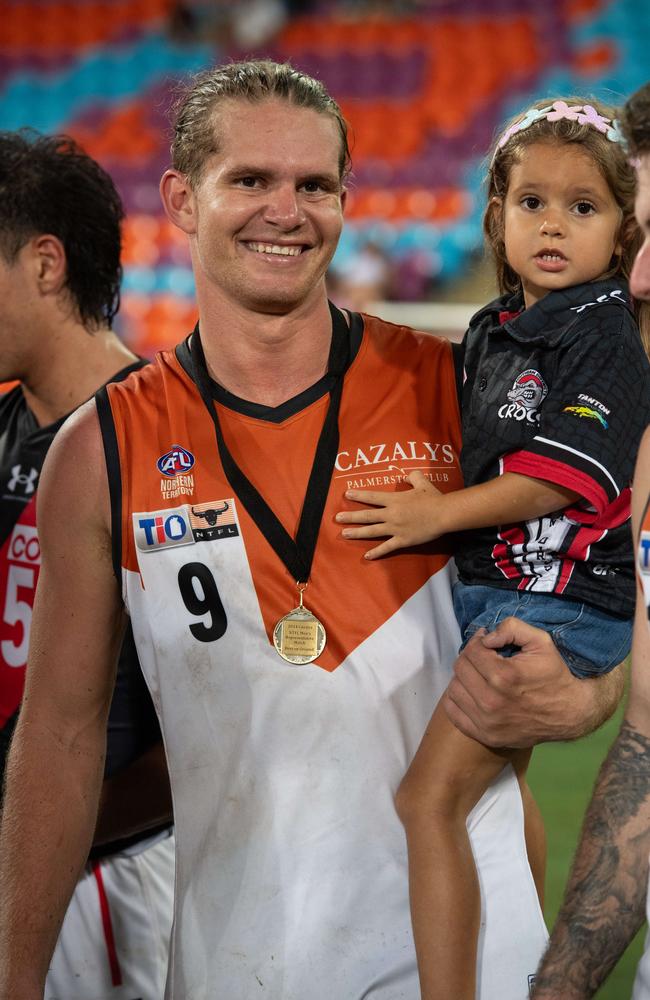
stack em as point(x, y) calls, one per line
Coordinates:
point(267, 358)
point(71, 367)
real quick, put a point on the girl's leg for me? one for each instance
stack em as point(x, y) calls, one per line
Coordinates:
point(447, 777)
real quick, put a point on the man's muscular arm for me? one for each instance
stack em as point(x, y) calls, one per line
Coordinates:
point(56, 762)
point(528, 698)
point(604, 901)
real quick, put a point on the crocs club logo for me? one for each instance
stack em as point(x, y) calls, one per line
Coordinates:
point(528, 392)
point(178, 460)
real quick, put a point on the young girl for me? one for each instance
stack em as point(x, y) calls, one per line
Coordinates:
point(555, 398)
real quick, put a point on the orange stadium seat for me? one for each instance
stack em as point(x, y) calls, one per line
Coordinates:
point(124, 135)
point(597, 59)
point(578, 9)
point(407, 204)
point(413, 88)
point(32, 25)
point(157, 323)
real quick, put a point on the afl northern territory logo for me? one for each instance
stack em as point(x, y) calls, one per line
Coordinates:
point(177, 460)
point(526, 396)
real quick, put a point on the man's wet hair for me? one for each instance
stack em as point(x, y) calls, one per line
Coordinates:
point(197, 105)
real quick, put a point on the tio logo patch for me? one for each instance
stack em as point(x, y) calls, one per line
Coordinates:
point(162, 529)
point(177, 460)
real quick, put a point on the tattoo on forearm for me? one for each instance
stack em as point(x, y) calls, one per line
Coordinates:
point(604, 902)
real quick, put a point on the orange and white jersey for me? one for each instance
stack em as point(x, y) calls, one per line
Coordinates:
point(291, 875)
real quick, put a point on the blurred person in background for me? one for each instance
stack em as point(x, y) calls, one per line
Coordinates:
point(237, 26)
point(606, 894)
point(366, 279)
point(60, 273)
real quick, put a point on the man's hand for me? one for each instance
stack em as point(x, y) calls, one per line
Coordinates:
point(528, 698)
point(405, 518)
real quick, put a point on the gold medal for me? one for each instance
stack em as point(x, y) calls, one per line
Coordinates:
point(299, 637)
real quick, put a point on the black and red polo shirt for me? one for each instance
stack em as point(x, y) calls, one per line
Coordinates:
point(559, 392)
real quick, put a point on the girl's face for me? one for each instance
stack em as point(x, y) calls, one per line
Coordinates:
point(561, 222)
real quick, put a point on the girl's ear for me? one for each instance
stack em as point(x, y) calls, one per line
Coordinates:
point(495, 211)
point(494, 223)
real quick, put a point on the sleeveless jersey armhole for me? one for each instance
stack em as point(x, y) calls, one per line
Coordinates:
point(111, 454)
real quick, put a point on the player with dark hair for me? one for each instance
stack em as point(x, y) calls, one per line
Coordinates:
point(60, 275)
point(77, 203)
point(292, 678)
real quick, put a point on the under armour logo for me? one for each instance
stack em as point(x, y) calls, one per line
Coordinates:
point(26, 480)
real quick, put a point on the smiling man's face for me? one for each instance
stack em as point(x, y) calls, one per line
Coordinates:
point(268, 206)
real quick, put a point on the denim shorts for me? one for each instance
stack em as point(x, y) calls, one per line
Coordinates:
point(589, 640)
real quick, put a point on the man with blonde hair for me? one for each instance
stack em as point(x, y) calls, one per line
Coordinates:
point(293, 679)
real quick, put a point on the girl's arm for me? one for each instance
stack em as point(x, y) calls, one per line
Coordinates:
point(423, 513)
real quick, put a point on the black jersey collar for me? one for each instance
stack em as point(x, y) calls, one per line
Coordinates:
point(274, 414)
point(548, 320)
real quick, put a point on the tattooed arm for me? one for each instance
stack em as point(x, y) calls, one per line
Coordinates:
point(605, 898)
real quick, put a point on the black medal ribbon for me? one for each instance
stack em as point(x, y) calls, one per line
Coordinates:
point(296, 554)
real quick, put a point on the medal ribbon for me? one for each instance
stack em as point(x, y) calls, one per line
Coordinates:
point(296, 554)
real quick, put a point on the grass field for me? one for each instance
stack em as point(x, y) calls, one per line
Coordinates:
point(562, 777)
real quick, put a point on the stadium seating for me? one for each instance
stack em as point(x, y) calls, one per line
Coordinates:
point(424, 96)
